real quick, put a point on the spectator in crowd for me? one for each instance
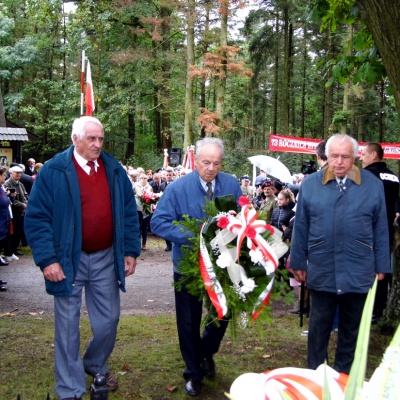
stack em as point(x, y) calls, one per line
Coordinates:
point(19, 205)
point(30, 168)
point(149, 174)
point(5, 221)
point(140, 170)
point(133, 176)
point(36, 170)
point(141, 188)
point(269, 203)
point(282, 214)
point(278, 186)
point(322, 159)
point(371, 158)
point(156, 183)
point(247, 189)
point(187, 196)
point(260, 178)
point(169, 174)
point(339, 244)
point(83, 229)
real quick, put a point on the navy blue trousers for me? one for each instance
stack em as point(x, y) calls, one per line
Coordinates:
point(195, 347)
point(322, 314)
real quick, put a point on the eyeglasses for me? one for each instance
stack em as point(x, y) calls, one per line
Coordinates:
point(143, 178)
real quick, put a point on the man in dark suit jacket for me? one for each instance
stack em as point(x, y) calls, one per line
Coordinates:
point(29, 170)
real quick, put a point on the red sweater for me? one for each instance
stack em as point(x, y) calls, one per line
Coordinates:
point(97, 223)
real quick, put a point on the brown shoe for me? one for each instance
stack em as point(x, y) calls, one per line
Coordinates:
point(111, 381)
point(144, 247)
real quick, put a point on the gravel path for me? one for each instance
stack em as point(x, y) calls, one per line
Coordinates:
point(149, 290)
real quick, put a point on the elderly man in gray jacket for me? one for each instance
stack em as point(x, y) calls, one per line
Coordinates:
point(339, 245)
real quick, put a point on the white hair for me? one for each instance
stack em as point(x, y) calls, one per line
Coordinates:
point(79, 126)
point(341, 138)
point(209, 140)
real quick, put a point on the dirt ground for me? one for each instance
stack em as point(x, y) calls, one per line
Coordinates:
point(149, 290)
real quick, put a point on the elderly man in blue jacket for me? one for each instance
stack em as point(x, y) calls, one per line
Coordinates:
point(83, 229)
point(186, 196)
point(338, 246)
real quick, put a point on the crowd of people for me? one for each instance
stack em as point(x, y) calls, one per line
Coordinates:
point(86, 219)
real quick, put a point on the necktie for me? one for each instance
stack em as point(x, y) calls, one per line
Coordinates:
point(92, 169)
point(209, 190)
point(341, 184)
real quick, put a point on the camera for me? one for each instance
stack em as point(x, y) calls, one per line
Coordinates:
point(11, 190)
point(308, 167)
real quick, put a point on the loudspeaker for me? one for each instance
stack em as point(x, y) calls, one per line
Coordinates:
point(174, 155)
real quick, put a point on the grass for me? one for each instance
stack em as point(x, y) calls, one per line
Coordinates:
point(147, 360)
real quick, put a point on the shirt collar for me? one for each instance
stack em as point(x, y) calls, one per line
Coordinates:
point(354, 174)
point(204, 184)
point(82, 161)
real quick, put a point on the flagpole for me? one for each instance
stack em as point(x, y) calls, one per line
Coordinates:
point(82, 81)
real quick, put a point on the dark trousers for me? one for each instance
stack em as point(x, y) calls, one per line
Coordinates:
point(144, 222)
point(15, 238)
point(323, 310)
point(5, 245)
point(382, 291)
point(194, 348)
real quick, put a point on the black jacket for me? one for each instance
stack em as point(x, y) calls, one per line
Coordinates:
point(391, 187)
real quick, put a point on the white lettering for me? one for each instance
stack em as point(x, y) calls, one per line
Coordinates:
point(389, 177)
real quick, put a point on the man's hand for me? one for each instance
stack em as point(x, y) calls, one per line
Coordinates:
point(300, 275)
point(130, 265)
point(380, 276)
point(54, 273)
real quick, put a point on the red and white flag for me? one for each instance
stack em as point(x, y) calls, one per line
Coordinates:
point(89, 98)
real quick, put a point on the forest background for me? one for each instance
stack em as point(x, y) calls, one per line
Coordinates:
point(168, 72)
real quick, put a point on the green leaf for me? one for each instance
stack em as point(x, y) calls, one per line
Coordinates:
point(357, 372)
point(226, 203)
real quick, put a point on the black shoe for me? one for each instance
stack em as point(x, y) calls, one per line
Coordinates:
point(2, 288)
point(193, 388)
point(168, 248)
point(208, 366)
point(3, 262)
point(3, 283)
point(18, 253)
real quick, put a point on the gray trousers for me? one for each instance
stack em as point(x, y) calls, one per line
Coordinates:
point(96, 274)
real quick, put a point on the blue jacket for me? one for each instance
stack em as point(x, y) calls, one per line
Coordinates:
point(53, 219)
point(186, 195)
point(4, 213)
point(340, 237)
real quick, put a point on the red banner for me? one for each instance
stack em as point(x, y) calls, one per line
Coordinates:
point(291, 144)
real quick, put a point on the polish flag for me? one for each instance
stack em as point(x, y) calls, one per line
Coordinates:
point(89, 98)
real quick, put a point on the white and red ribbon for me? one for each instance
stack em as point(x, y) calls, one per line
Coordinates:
point(213, 287)
point(245, 225)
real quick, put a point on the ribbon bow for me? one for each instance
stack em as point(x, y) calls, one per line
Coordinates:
point(249, 226)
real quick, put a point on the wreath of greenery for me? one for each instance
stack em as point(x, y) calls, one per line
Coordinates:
point(240, 308)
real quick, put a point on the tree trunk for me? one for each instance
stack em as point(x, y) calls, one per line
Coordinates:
point(286, 76)
point(2, 115)
point(188, 134)
point(303, 84)
point(164, 89)
point(382, 20)
point(328, 95)
point(130, 149)
point(276, 85)
point(204, 47)
point(221, 88)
